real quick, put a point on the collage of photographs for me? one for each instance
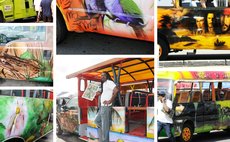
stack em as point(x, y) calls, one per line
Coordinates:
point(115, 70)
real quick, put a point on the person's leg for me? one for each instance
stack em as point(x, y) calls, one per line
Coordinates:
point(105, 119)
point(159, 128)
point(97, 121)
point(168, 130)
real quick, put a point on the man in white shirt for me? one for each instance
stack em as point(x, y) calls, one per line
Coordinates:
point(108, 95)
point(164, 106)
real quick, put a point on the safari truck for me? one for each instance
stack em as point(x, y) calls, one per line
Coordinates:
point(11, 10)
point(30, 56)
point(193, 25)
point(132, 112)
point(25, 115)
point(201, 100)
point(123, 18)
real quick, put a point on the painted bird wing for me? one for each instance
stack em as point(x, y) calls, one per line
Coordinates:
point(130, 7)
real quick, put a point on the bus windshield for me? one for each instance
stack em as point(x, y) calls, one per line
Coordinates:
point(167, 86)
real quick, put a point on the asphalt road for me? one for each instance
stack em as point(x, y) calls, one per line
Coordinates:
point(219, 136)
point(93, 43)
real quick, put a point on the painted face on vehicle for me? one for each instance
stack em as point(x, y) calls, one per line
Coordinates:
point(210, 17)
point(226, 20)
point(200, 22)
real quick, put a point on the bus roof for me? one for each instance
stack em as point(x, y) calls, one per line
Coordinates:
point(195, 75)
point(132, 70)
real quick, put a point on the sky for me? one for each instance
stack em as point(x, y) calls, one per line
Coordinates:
point(65, 65)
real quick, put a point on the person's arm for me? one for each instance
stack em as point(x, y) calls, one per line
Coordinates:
point(115, 92)
point(165, 107)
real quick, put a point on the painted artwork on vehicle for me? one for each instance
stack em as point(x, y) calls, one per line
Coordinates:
point(150, 122)
point(195, 27)
point(26, 53)
point(23, 117)
point(118, 118)
point(125, 18)
point(92, 133)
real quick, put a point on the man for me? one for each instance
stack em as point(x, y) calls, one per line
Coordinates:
point(108, 95)
point(38, 9)
point(46, 10)
point(164, 106)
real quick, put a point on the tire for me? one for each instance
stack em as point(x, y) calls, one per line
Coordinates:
point(186, 133)
point(163, 49)
point(59, 130)
point(61, 27)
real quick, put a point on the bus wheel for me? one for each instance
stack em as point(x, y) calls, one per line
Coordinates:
point(59, 130)
point(187, 133)
point(61, 27)
point(163, 49)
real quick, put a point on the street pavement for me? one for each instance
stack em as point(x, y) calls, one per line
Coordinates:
point(94, 43)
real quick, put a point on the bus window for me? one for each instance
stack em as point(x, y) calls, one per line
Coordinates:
point(227, 96)
point(196, 96)
point(82, 85)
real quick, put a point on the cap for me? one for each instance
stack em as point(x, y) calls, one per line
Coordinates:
point(161, 93)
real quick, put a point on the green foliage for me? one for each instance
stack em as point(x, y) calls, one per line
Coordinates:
point(27, 55)
point(130, 7)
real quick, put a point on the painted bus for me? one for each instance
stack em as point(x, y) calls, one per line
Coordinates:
point(25, 115)
point(124, 18)
point(186, 24)
point(11, 10)
point(201, 100)
point(27, 56)
point(132, 112)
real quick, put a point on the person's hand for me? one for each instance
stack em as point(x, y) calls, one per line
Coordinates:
point(106, 102)
point(98, 93)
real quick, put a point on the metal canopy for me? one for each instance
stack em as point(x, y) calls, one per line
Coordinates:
point(132, 70)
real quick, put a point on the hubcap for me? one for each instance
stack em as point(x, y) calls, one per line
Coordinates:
point(186, 134)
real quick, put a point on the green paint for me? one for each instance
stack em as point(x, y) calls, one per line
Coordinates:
point(130, 7)
point(36, 112)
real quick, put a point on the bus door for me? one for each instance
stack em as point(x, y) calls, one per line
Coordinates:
point(211, 114)
point(8, 8)
point(19, 8)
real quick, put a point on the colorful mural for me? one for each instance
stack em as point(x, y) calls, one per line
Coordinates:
point(125, 18)
point(29, 56)
point(118, 118)
point(150, 122)
point(24, 117)
point(115, 136)
point(195, 27)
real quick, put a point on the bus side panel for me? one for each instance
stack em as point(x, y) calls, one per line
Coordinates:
point(150, 122)
point(28, 59)
point(188, 28)
point(131, 19)
point(7, 8)
point(92, 133)
point(23, 9)
point(118, 118)
point(224, 114)
point(24, 117)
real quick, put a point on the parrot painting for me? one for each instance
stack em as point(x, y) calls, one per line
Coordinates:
point(121, 11)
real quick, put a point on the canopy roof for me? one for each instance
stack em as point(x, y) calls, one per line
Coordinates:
point(132, 70)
